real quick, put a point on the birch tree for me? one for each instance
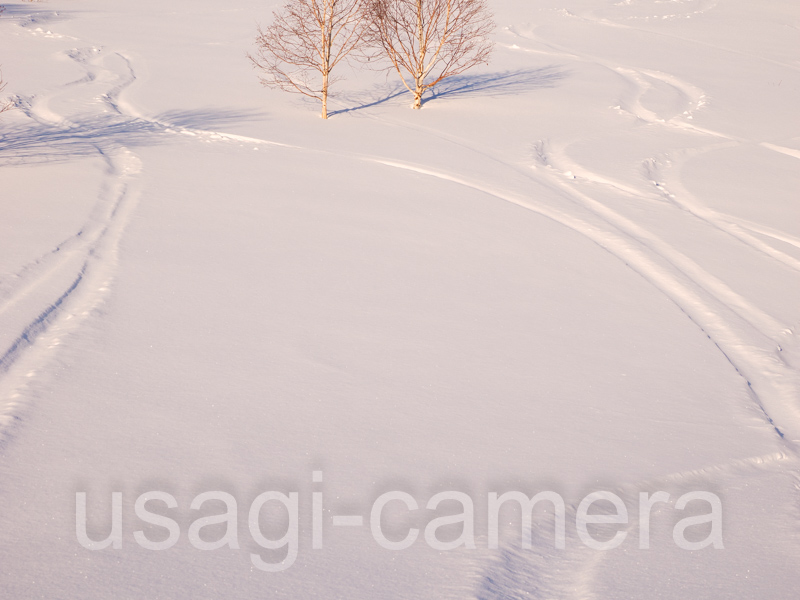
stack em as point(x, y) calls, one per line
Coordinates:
point(7, 105)
point(4, 106)
point(426, 41)
point(306, 41)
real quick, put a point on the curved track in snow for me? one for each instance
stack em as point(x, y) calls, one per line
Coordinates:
point(48, 298)
point(776, 384)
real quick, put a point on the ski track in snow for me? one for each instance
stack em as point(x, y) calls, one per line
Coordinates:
point(741, 229)
point(66, 285)
point(48, 298)
point(631, 102)
point(774, 382)
point(787, 151)
point(58, 311)
point(709, 5)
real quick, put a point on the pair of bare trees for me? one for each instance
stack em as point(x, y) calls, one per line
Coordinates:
point(423, 41)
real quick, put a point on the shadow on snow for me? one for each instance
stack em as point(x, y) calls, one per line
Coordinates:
point(28, 143)
point(28, 14)
point(503, 83)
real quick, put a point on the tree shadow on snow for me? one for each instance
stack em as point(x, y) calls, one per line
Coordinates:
point(35, 143)
point(208, 119)
point(502, 83)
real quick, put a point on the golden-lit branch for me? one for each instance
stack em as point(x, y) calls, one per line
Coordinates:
point(305, 42)
point(426, 41)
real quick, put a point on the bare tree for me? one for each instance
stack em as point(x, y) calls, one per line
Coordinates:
point(306, 40)
point(4, 106)
point(7, 105)
point(427, 41)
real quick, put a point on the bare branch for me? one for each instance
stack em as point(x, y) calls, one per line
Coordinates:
point(8, 105)
point(426, 41)
point(306, 40)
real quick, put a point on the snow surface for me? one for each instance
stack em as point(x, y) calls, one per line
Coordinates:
point(576, 269)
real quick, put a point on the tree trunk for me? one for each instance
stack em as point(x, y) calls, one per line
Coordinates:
point(325, 96)
point(419, 79)
point(418, 97)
